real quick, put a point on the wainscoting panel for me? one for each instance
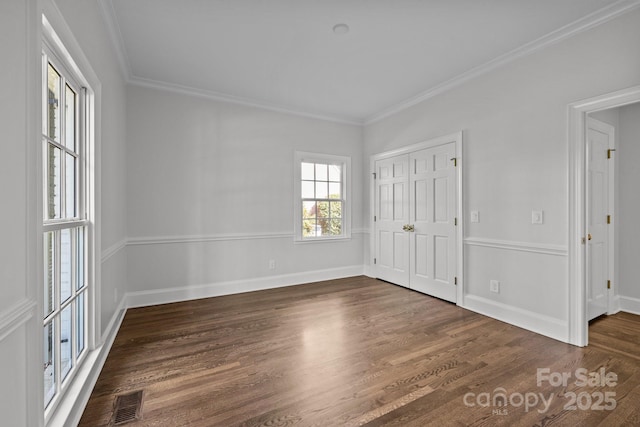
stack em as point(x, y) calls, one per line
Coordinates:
point(533, 292)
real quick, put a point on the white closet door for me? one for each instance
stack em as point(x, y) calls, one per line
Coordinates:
point(392, 212)
point(432, 205)
point(415, 231)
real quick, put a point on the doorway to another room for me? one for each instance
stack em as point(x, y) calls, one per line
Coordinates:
point(604, 154)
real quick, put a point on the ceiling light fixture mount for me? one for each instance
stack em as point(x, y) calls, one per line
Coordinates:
point(340, 29)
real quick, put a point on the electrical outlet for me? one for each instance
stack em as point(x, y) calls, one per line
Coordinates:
point(272, 264)
point(537, 217)
point(494, 286)
point(475, 216)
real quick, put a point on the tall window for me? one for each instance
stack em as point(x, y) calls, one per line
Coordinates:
point(322, 210)
point(65, 226)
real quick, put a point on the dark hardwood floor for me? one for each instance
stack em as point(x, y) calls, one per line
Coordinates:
point(356, 352)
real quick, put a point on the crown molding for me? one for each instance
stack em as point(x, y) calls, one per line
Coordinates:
point(592, 20)
point(113, 28)
point(247, 102)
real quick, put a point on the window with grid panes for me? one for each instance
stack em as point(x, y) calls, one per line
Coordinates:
point(65, 226)
point(321, 205)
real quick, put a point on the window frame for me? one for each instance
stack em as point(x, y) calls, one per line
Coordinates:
point(55, 55)
point(329, 159)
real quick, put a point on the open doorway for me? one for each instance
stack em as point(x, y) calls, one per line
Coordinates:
point(613, 285)
point(603, 281)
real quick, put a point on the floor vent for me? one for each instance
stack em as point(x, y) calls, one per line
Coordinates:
point(127, 408)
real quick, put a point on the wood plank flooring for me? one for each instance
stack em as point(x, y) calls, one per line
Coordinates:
point(354, 352)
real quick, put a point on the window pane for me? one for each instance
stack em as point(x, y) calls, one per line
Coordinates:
point(321, 173)
point(49, 273)
point(308, 190)
point(49, 365)
point(309, 228)
point(66, 338)
point(70, 118)
point(335, 227)
point(308, 210)
point(70, 184)
point(53, 103)
point(307, 171)
point(80, 279)
point(53, 182)
point(336, 210)
point(80, 324)
point(322, 190)
point(323, 210)
point(65, 265)
point(335, 190)
point(335, 173)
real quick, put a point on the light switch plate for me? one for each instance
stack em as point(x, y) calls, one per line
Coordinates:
point(537, 217)
point(475, 216)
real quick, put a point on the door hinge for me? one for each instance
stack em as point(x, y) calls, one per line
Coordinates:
point(608, 219)
point(455, 222)
point(455, 280)
point(374, 175)
point(375, 218)
point(455, 161)
point(375, 261)
point(608, 284)
point(609, 152)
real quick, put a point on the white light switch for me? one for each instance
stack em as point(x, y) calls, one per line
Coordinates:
point(475, 216)
point(537, 217)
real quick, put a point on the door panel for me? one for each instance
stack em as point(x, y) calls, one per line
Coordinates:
point(441, 261)
point(392, 212)
point(421, 255)
point(599, 140)
point(432, 180)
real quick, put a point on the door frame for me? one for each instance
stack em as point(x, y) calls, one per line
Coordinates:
point(457, 139)
point(577, 268)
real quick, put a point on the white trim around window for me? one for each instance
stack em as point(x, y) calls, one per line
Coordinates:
point(322, 183)
point(80, 220)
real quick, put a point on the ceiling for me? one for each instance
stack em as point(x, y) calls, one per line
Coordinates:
point(284, 55)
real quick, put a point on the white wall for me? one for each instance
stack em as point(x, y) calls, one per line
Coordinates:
point(210, 195)
point(629, 205)
point(19, 318)
point(515, 160)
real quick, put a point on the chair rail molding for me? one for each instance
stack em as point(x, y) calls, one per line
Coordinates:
point(15, 316)
point(539, 248)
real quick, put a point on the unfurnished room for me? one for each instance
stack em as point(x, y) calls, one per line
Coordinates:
point(320, 213)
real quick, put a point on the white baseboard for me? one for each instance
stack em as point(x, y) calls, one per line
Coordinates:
point(630, 305)
point(614, 305)
point(70, 409)
point(540, 324)
point(177, 294)
point(369, 271)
